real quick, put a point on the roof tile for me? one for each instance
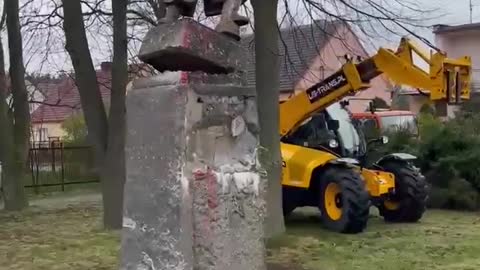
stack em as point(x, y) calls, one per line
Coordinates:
point(298, 47)
point(63, 100)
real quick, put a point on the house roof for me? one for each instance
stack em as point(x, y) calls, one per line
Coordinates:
point(45, 87)
point(35, 91)
point(442, 28)
point(298, 47)
point(63, 99)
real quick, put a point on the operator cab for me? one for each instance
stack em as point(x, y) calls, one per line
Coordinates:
point(380, 122)
point(329, 130)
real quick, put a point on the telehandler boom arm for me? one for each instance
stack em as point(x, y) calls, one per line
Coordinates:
point(447, 80)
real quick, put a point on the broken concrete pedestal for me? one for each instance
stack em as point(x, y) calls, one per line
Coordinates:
point(193, 196)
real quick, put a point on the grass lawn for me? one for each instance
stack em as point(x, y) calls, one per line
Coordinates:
point(58, 236)
point(442, 240)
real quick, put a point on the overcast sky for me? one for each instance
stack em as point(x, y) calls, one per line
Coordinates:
point(451, 12)
point(445, 12)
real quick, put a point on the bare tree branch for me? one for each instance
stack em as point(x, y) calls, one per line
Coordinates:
point(57, 104)
point(141, 16)
point(2, 20)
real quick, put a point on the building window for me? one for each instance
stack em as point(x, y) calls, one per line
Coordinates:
point(41, 134)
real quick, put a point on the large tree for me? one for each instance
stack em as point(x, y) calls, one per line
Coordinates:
point(114, 172)
point(14, 121)
point(6, 129)
point(107, 133)
point(267, 85)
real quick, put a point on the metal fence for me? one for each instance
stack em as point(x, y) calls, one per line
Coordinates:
point(54, 164)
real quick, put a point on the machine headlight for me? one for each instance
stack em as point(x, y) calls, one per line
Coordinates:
point(333, 143)
point(384, 139)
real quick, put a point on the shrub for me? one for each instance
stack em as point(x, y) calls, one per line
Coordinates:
point(459, 195)
point(75, 130)
point(400, 141)
point(448, 154)
point(427, 109)
point(438, 198)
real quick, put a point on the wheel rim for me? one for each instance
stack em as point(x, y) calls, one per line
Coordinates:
point(333, 201)
point(391, 205)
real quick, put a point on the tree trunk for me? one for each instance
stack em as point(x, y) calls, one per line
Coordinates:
point(113, 178)
point(85, 77)
point(267, 84)
point(17, 134)
point(108, 136)
point(6, 132)
point(90, 96)
point(6, 128)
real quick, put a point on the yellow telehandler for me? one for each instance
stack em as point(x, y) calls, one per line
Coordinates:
point(320, 147)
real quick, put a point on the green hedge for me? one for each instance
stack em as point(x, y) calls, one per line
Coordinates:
point(448, 155)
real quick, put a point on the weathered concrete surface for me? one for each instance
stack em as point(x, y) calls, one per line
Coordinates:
point(200, 81)
point(157, 215)
point(190, 46)
point(193, 197)
point(228, 205)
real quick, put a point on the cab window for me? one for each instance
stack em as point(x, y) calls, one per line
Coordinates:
point(370, 128)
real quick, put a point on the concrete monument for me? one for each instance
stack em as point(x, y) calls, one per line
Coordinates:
point(194, 198)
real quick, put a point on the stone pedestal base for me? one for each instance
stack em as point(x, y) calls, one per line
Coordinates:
point(157, 214)
point(193, 196)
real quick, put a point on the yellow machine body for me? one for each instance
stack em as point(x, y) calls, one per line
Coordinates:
point(300, 162)
point(377, 182)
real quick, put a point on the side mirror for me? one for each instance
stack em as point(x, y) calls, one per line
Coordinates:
point(344, 103)
point(333, 124)
point(382, 140)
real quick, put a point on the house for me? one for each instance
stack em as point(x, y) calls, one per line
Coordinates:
point(310, 53)
point(461, 40)
point(62, 100)
point(456, 41)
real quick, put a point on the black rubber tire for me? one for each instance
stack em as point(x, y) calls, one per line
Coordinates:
point(355, 200)
point(288, 209)
point(411, 192)
point(289, 200)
